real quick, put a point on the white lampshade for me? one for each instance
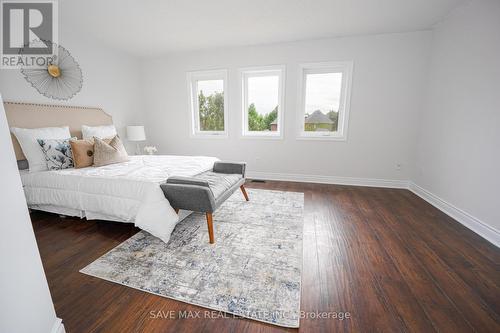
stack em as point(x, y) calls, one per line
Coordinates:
point(136, 133)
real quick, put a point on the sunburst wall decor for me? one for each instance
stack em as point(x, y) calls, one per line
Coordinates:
point(62, 79)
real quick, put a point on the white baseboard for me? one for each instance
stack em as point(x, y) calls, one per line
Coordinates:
point(58, 326)
point(479, 227)
point(291, 177)
point(469, 221)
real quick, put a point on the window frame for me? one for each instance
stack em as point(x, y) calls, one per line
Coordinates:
point(344, 67)
point(192, 83)
point(245, 74)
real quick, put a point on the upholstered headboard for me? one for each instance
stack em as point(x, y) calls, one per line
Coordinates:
point(27, 115)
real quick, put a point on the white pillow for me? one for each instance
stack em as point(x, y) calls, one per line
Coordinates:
point(102, 132)
point(28, 137)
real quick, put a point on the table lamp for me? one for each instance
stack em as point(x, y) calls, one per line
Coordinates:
point(136, 134)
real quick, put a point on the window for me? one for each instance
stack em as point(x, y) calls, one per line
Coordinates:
point(207, 95)
point(324, 100)
point(262, 101)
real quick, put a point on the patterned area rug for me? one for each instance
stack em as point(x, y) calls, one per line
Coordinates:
point(253, 270)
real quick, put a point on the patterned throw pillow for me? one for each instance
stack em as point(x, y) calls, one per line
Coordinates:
point(57, 153)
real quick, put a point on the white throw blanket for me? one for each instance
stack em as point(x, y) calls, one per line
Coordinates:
point(125, 192)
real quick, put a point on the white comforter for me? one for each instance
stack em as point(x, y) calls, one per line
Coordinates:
point(126, 192)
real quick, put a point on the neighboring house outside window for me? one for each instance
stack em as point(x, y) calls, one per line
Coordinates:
point(318, 121)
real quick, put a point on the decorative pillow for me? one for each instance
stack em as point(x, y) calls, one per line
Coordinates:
point(105, 153)
point(83, 152)
point(27, 138)
point(88, 132)
point(57, 153)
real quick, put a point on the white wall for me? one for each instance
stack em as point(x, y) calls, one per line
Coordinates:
point(109, 81)
point(458, 156)
point(388, 83)
point(25, 302)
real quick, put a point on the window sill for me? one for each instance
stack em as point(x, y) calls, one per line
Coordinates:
point(209, 136)
point(322, 138)
point(261, 136)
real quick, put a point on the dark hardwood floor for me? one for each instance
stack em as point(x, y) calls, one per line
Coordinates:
point(390, 259)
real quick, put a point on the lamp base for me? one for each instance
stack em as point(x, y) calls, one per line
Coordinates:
point(137, 149)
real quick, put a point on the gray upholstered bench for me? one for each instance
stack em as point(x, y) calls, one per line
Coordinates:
point(206, 191)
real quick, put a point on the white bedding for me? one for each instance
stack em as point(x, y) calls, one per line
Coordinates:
point(125, 192)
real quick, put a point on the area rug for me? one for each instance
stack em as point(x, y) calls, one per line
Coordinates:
point(253, 270)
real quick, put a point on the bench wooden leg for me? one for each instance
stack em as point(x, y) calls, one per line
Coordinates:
point(244, 192)
point(210, 228)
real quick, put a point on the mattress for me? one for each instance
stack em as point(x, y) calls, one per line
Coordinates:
point(124, 192)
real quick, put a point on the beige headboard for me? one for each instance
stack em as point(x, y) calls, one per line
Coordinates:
point(27, 115)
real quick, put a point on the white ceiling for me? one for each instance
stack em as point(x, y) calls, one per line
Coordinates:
point(153, 27)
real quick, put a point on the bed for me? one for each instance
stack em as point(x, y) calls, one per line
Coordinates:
point(123, 192)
